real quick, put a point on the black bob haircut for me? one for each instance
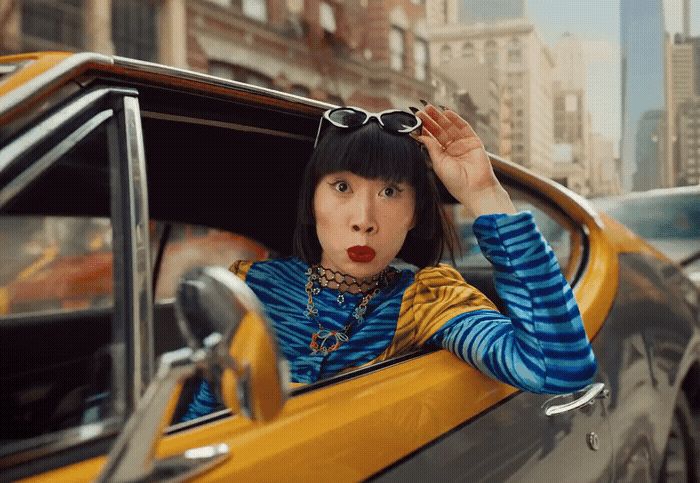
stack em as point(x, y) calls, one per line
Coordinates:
point(371, 152)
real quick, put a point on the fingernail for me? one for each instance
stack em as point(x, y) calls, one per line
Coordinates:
point(413, 109)
point(425, 103)
point(442, 107)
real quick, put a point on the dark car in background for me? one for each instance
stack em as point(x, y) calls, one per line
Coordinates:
point(668, 218)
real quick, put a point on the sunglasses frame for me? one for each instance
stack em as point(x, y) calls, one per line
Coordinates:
point(369, 115)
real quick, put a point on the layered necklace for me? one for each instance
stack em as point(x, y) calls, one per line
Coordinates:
point(324, 340)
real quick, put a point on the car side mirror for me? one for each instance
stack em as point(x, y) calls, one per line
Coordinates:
point(218, 312)
point(232, 344)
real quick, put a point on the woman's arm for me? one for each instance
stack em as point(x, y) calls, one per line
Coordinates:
point(541, 346)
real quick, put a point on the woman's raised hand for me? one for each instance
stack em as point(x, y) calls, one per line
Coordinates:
point(460, 161)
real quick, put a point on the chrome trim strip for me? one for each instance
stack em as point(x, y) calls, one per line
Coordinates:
point(152, 67)
point(40, 446)
point(142, 297)
point(46, 127)
point(43, 163)
point(47, 79)
point(228, 125)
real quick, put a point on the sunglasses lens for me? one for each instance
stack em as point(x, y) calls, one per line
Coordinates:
point(348, 117)
point(399, 121)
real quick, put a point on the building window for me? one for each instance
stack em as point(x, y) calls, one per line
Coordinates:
point(327, 17)
point(134, 29)
point(515, 55)
point(420, 53)
point(48, 24)
point(468, 50)
point(397, 48)
point(445, 54)
point(255, 9)
point(491, 53)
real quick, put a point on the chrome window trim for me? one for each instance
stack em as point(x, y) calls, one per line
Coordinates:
point(48, 126)
point(140, 318)
point(46, 161)
point(155, 68)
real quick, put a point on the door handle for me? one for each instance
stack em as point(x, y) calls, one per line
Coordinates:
point(595, 390)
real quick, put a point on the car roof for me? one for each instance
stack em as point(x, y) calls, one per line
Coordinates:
point(37, 81)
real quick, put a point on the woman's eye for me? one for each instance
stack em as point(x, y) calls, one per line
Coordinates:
point(341, 186)
point(391, 191)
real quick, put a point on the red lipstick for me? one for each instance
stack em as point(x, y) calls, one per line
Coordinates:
point(362, 254)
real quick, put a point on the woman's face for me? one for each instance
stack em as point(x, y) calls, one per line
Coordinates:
point(361, 223)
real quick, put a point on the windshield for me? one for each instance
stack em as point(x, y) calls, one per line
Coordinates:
point(669, 217)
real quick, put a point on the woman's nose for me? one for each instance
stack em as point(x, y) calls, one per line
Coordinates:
point(364, 220)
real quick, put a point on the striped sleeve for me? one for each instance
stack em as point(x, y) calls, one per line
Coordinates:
point(541, 346)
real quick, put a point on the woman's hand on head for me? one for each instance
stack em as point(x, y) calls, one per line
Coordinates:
point(460, 161)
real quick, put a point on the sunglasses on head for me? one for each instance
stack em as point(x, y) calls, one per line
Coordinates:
point(392, 120)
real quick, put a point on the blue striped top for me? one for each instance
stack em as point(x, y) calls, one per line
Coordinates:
point(540, 345)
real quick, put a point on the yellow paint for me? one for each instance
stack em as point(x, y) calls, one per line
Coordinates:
point(47, 257)
point(38, 63)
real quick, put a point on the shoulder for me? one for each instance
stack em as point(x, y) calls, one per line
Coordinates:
point(443, 285)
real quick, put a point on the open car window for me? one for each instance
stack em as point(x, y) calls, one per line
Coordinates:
point(58, 337)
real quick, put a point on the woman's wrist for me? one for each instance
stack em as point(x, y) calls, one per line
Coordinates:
point(487, 201)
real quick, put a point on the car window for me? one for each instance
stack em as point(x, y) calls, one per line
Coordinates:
point(196, 245)
point(57, 302)
point(553, 225)
point(676, 216)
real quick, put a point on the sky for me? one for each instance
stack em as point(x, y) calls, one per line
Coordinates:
point(597, 25)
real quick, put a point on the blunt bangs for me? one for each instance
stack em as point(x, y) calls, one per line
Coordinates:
point(368, 151)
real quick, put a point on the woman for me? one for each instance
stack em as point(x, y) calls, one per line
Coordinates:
point(368, 196)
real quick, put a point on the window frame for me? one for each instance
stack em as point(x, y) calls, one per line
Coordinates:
point(132, 317)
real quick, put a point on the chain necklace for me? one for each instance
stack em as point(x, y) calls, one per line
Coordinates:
point(325, 340)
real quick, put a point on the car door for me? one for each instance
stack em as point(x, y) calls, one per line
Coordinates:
point(74, 283)
point(517, 439)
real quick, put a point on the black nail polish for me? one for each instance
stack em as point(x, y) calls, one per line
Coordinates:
point(443, 107)
point(425, 103)
point(413, 109)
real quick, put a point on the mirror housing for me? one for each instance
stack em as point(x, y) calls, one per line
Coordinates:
point(232, 343)
point(217, 311)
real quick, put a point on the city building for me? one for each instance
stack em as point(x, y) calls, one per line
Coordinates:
point(606, 178)
point(643, 149)
point(570, 104)
point(566, 170)
point(524, 65)
point(475, 11)
point(371, 53)
point(441, 12)
point(684, 91)
point(689, 143)
point(478, 85)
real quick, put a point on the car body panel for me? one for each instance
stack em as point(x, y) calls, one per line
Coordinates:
point(359, 424)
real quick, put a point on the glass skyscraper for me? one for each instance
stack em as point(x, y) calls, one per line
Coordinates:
point(487, 11)
point(643, 101)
